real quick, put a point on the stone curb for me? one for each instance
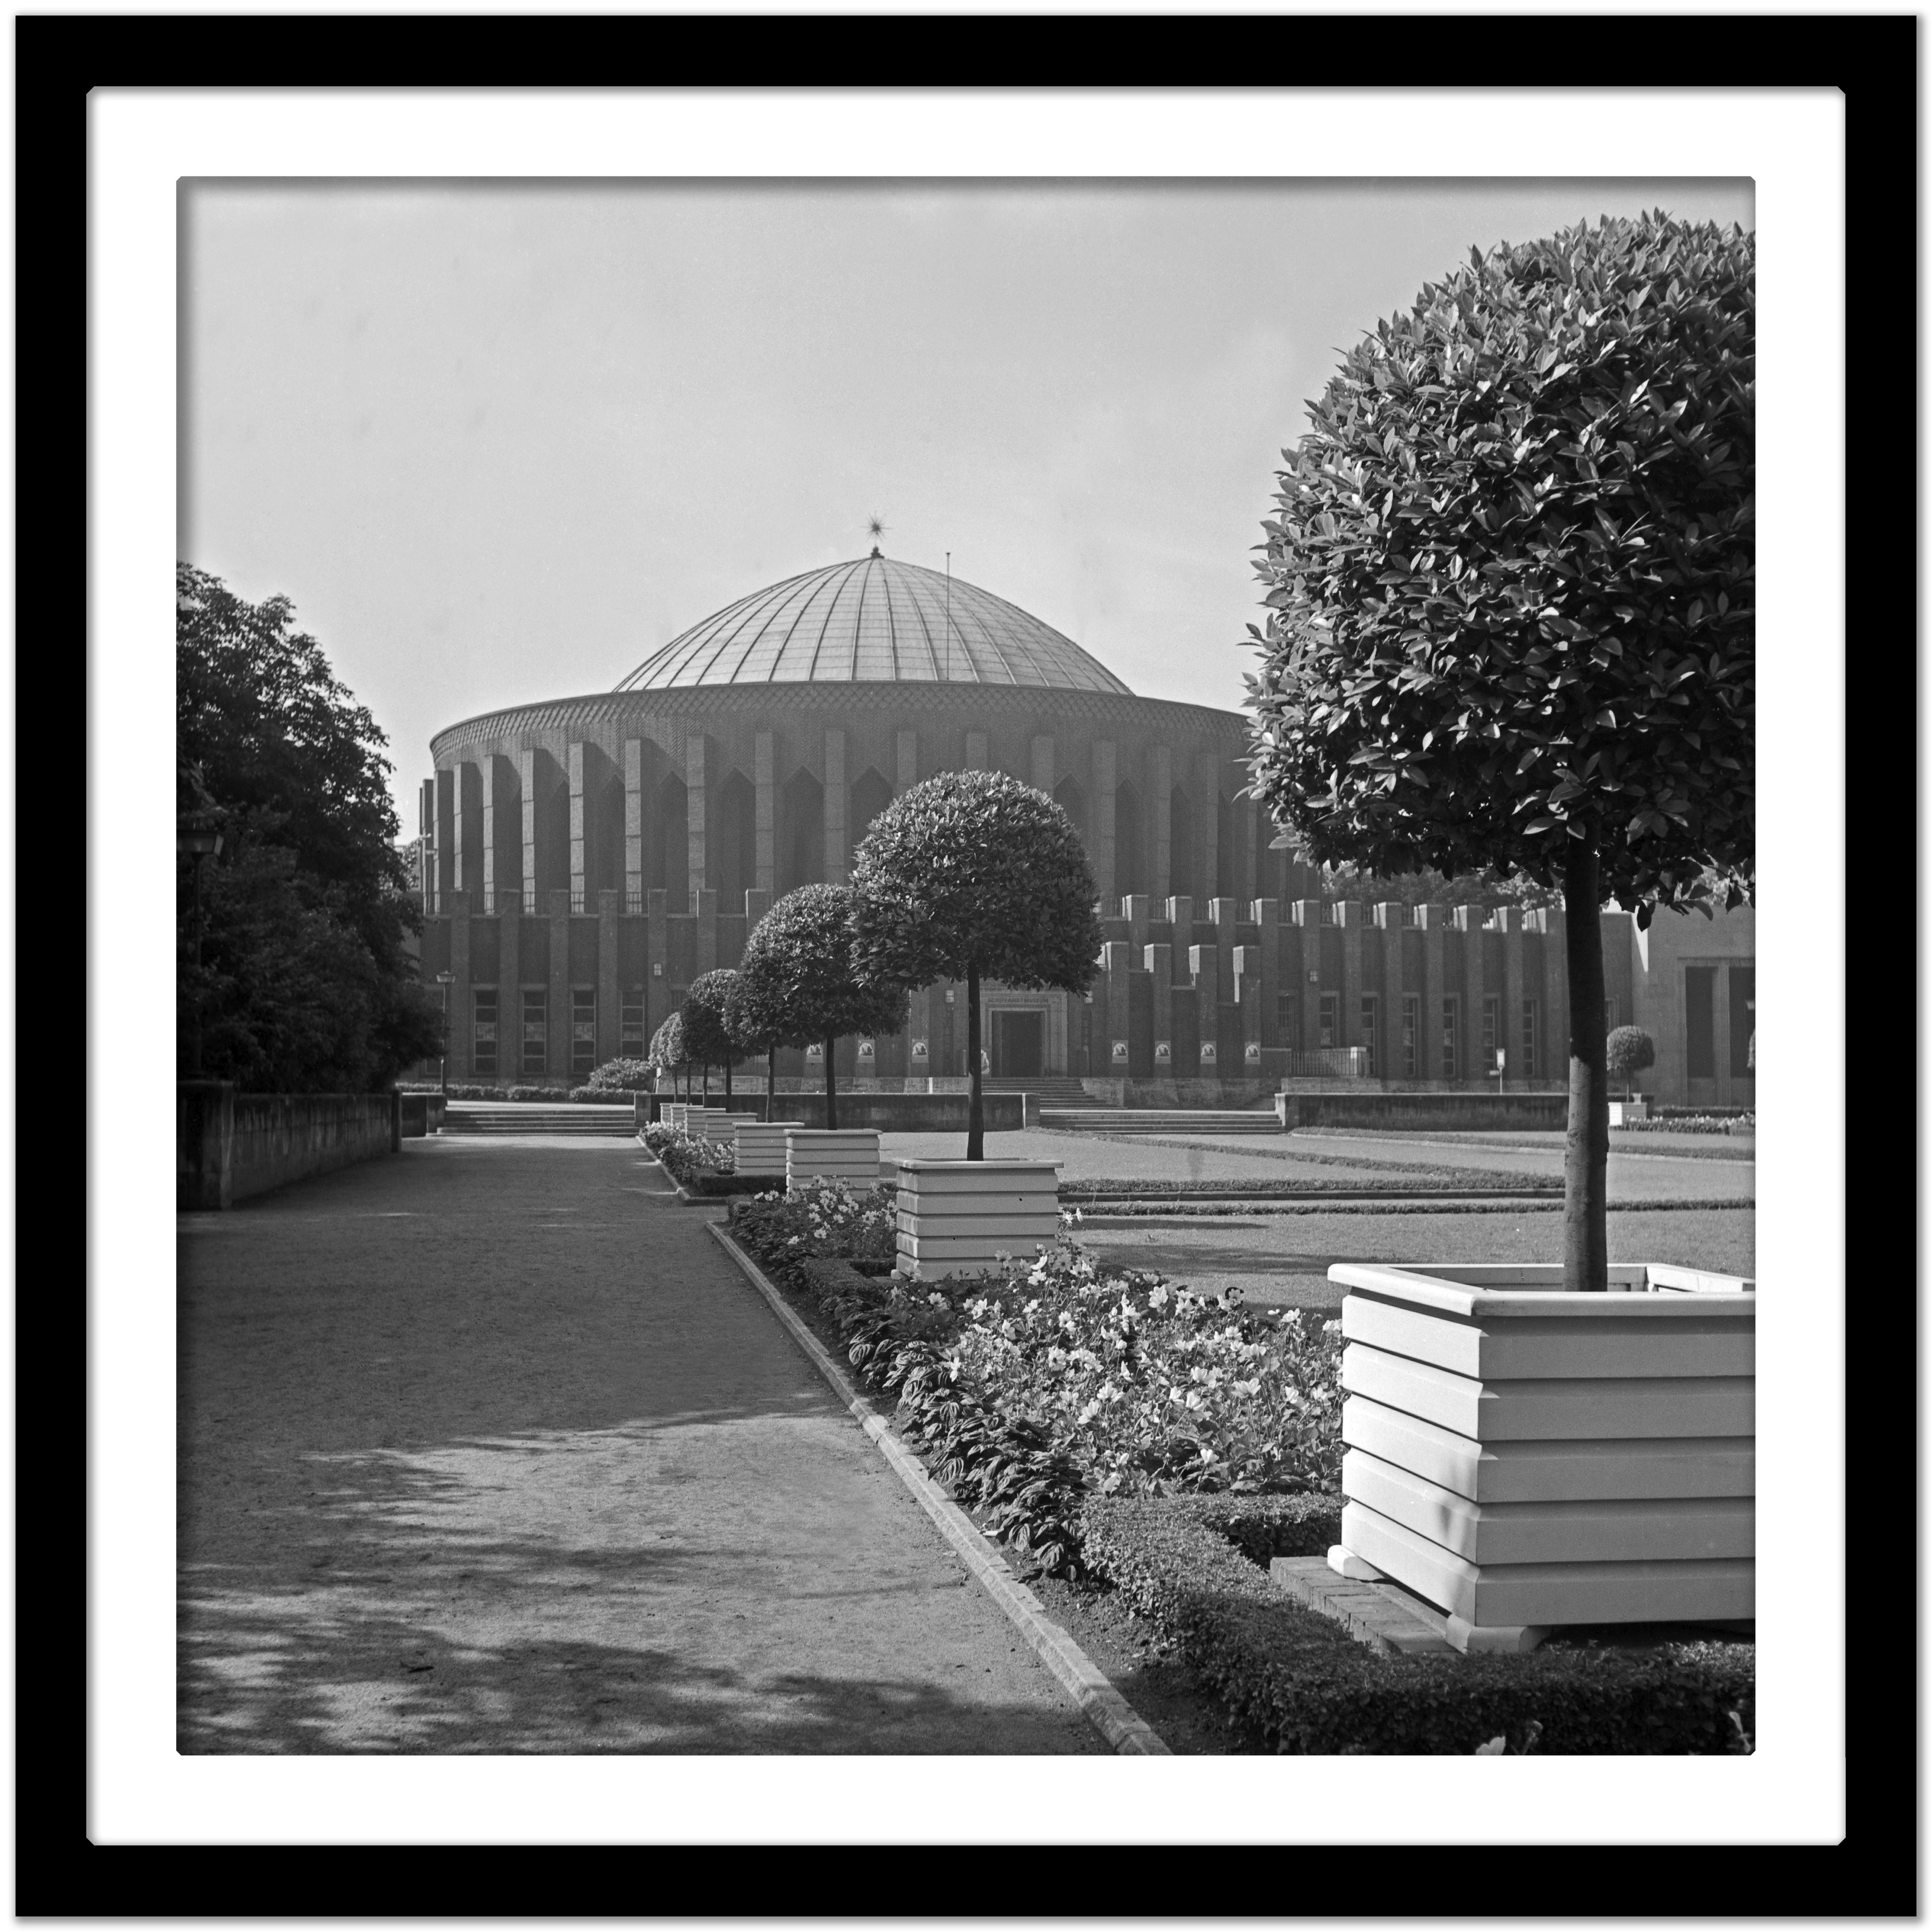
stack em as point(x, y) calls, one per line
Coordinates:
point(1110, 1713)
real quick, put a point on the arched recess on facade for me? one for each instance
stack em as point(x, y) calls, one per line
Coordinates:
point(799, 834)
point(1130, 868)
point(604, 863)
point(553, 831)
point(870, 797)
point(668, 870)
point(1071, 798)
point(734, 848)
point(1180, 844)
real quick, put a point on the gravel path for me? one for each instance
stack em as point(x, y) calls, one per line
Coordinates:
point(487, 1448)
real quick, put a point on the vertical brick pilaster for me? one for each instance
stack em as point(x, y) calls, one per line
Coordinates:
point(527, 785)
point(1307, 920)
point(1208, 826)
point(1160, 810)
point(557, 1051)
point(1115, 1021)
point(1225, 913)
point(1433, 919)
point(1509, 924)
point(1100, 848)
point(609, 1015)
point(657, 952)
point(838, 844)
point(696, 794)
point(1468, 923)
point(490, 789)
point(766, 808)
point(1555, 1040)
point(1158, 961)
point(1349, 917)
point(580, 870)
point(462, 1007)
point(446, 838)
point(634, 821)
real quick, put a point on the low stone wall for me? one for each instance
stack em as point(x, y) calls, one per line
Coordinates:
point(1445, 1112)
point(229, 1146)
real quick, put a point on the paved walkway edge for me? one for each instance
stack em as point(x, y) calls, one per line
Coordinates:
point(1110, 1713)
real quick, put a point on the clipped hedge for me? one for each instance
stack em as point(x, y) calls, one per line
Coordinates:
point(1295, 1679)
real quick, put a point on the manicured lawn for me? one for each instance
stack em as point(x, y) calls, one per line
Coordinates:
point(1285, 1259)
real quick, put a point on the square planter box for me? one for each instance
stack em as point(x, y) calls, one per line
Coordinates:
point(957, 1216)
point(849, 1154)
point(1521, 1456)
point(761, 1145)
point(1624, 1112)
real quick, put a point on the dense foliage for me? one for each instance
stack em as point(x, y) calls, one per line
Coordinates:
point(1295, 1680)
point(708, 1039)
point(973, 875)
point(668, 1053)
point(304, 984)
point(1512, 569)
point(1043, 1379)
point(1512, 587)
point(1627, 1050)
point(798, 984)
point(624, 1076)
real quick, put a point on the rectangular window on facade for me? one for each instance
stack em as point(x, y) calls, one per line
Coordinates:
point(1743, 1021)
point(1331, 1019)
point(1411, 1036)
point(1372, 1034)
point(583, 1029)
point(1532, 1059)
point(483, 1052)
point(1700, 1046)
point(1452, 1058)
point(536, 1029)
point(1493, 1030)
point(631, 1024)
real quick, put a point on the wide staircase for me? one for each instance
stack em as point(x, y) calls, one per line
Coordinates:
point(1059, 1091)
point(485, 1117)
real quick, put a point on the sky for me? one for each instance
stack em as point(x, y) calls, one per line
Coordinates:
point(498, 442)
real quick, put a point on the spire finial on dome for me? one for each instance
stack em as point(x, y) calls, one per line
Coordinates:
point(874, 528)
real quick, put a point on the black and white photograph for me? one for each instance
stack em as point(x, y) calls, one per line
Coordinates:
point(965, 967)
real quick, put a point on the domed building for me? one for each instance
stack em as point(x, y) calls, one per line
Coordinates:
point(586, 858)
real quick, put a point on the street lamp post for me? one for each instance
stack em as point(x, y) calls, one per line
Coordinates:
point(445, 981)
point(198, 846)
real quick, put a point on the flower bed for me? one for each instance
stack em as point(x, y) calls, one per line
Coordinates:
point(1693, 1123)
point(1193, 1568)
point(1036, 1383)
point(691, 1159)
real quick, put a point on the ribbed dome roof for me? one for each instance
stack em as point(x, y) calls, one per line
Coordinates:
point(874, 620)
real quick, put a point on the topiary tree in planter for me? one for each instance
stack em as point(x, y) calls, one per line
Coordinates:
point(1627, 1050)
point(707, 1036)
point(668, 1053)
point(798, 984)
point(973, 875)
point(1512, 617)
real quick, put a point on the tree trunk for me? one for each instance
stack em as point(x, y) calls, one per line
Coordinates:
point(1586, 1149)
point(771, 1084)
point(831, 1090)
point(707, 1083)
point(727, 1082)
point(976, 1117)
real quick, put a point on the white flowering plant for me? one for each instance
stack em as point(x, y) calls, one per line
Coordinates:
point(685, 1155)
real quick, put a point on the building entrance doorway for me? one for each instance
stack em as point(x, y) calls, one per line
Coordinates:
point(1019, 1043)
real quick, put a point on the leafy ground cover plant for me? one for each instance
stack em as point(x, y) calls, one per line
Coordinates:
point(1694, 1123)
point(1034, 1383)
point(689, 1157)
point(624, 1076)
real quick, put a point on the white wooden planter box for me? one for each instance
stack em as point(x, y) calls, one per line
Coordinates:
point(1523, 1457)
point(1623, 1112)
point(761, 1145)
point(673, 1115)
point(849, 1154)
point(957, 1216)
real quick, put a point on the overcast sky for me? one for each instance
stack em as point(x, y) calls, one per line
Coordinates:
point(498, 443)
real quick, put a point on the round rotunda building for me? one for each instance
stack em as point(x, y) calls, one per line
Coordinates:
point(586, 858)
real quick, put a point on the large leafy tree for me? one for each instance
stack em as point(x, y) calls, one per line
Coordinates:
point(305, 983)
point(1512, 609)
point(973, 875)
point(798, 984)
point(707, 1034)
